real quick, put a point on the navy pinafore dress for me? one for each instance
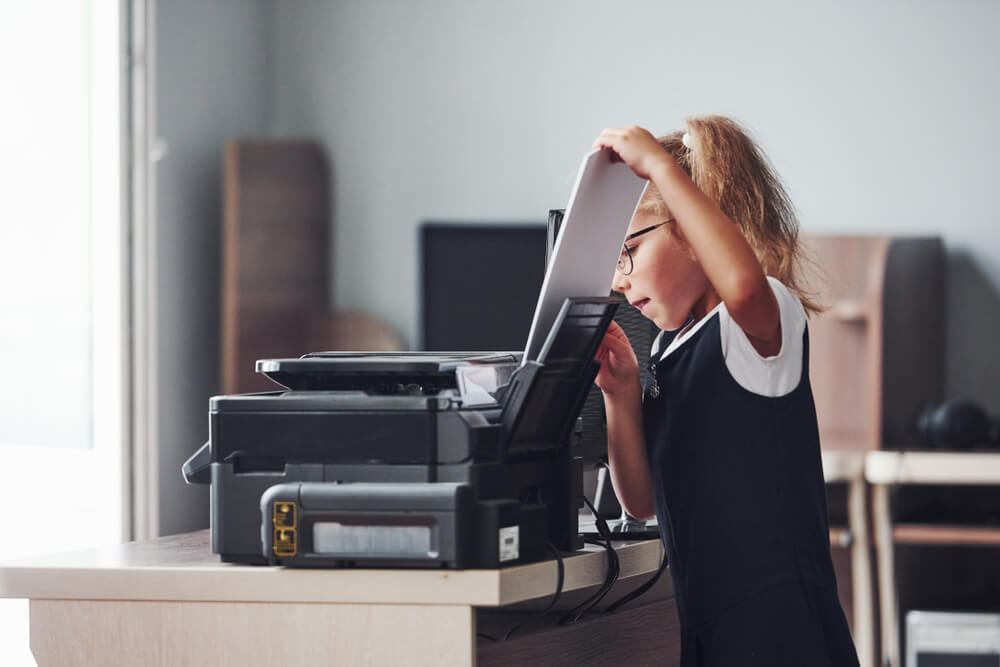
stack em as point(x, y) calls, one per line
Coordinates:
point(741, 506)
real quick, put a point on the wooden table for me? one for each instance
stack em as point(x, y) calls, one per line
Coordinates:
point(885, 469)
point(171, 602)
point(849, 467)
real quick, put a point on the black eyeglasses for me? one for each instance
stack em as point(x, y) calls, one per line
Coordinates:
point(625, 264)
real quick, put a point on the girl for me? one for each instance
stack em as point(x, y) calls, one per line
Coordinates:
point(722, 444)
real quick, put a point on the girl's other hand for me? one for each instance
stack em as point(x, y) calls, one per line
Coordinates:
point(635, 146)
point(619, 372)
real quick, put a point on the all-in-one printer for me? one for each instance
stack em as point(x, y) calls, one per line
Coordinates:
point(426, 459)
point(405, 460)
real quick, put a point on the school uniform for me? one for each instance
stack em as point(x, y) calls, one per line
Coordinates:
point(734, 453)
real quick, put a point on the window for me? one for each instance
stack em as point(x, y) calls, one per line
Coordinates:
point(62, 418)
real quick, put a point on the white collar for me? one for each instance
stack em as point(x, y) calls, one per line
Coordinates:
point(683, 335)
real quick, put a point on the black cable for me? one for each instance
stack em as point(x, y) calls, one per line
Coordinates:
point(614, 569)
point(599, 522)
point(574, 614)
point(486, 636)
point(560, 577)
point(625, 599)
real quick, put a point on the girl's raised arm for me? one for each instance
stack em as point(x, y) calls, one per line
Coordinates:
point(727, 259)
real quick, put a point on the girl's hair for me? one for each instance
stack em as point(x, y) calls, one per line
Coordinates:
point(727, 165)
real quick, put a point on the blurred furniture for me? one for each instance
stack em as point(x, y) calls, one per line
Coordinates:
point(170, 601)
point(875, 360)
point(847, 467)
point(876, 353)
point(953, 639)
point(883, 470)
point(275, 255)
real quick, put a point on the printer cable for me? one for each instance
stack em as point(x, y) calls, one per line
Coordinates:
point(625, 599)
point(560, 577)
point(614, 568)
point(640, 590)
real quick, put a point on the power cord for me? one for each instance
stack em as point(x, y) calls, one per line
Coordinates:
point(625, 599)
point(560, 577)
point(614, 569)
point(622, 536)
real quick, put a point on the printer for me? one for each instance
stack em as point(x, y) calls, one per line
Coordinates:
point(444, 460)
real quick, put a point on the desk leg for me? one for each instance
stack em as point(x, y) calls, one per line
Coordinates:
point(886, 575)
point(116, 632)
point(861, 573)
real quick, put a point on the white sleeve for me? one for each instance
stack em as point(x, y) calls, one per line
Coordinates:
point(766, 376)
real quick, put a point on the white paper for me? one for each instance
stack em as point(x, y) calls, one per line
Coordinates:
point(601, 205)
point(477, 384)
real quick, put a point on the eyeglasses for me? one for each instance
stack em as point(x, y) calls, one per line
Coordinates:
point(625, 264)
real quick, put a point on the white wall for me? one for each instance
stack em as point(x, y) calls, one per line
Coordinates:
point(879, 116)
point(211, 69)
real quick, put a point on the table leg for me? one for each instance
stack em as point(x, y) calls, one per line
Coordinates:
point(886, 575)
point(861, 573)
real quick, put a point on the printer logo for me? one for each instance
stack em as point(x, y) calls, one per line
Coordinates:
point(509, 543)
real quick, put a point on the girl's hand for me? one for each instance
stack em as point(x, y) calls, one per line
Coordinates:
point(619, 371)
point(635, 146)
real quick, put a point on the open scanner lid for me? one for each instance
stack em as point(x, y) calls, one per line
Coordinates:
point(545, 396)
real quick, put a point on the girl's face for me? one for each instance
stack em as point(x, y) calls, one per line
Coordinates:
point(666, 283)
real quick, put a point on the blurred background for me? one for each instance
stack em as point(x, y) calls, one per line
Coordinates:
point(156, 151)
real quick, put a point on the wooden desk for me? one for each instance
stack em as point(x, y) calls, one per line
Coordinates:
point(171, 602)
point(884, 469)
point(848, 467)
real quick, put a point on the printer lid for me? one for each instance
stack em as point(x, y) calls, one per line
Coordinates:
point(545, 396)
point(382, 372)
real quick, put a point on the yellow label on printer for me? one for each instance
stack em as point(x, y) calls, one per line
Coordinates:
point(283, 520)
point(284, 515)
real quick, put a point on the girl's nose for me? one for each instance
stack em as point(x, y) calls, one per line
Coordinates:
point(620, 282)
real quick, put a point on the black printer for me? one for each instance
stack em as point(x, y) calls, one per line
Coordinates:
point(405, 460)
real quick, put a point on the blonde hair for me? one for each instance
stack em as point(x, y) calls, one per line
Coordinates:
point(727, 165)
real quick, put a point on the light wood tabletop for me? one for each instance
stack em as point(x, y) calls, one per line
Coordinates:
point(171, 601)
point(182, 567)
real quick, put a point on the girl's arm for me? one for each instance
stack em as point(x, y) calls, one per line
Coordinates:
point(618, 379)
point(727, 259)
point(627, 454)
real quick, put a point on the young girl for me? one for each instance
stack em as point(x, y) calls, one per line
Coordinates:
point(722, 444)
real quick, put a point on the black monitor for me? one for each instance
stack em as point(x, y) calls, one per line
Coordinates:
point(480, 284)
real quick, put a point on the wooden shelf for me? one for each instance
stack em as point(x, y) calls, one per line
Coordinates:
point(946, 535)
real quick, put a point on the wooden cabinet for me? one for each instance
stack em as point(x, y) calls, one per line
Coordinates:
point(276, 281)
point(876, 354)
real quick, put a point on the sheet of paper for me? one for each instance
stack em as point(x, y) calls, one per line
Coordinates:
point(601, 205)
